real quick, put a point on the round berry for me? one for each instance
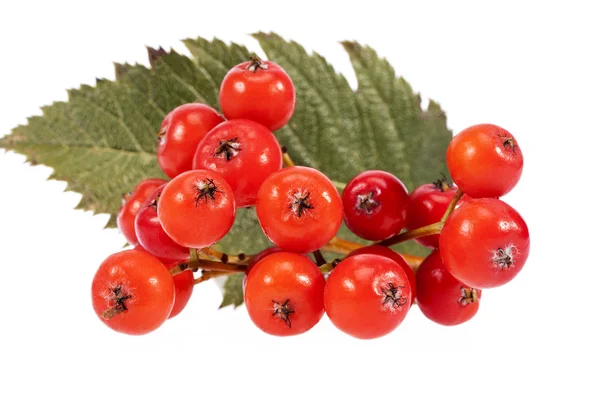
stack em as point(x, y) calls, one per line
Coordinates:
point(133, 292)
point(151, 235)
point(260, 91)
point(427, 205)
point(375, 205)
point(180, 133)
point(197, 208)
point(441, 297)
point(131, 205)
point(244, 152)
point(367, 296)
point(484, 243)
point(485, 161)
point(299, 209)
point(284, 294)
point(391, 254)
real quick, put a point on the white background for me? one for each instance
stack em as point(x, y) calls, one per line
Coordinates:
point(529, 67)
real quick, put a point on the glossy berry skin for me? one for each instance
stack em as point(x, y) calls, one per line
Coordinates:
point(260, 91)
point(197, 208)
point(375, 204)
point(427, 205)
point(244, 152)
point(441, 297)
point(151, 235)
point(367, 296)
point(133, 292)
point(184, 287)
point(391, 254)
point(484, 243)
point(180, 132)
point(299, 209)
point(284, 294)
point(131, 205)
point(485, 161)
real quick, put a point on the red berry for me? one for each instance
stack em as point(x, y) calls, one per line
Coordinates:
point(131, 205)
point(367, 296)
point(197, 208)
point(244, 152)
point(299, 209)
point(484, 243)
point(441, 297)
point(260, 91)
point(151, 235)
point(180, 133)
point(391, 254)
point(375, 205)
point(485, 161)
point(133, 292)
point(284, 294)
point(184, 287)
point(427, 205)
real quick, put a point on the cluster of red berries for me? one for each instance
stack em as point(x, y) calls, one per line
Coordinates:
point(220, 163)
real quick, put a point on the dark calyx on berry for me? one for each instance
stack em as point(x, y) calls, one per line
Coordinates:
point(256, 64)
point(205, 189)
point(300, 203)
point(508, 142)
point(283, 311)
point(441, 184)
point(119, 299)
point(393, 295)
point(467, 296)
point(228, 148)
point(503, 258)
point(366, 202)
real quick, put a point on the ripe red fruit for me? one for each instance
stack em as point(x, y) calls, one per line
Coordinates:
point(427, 205)
point(299, 209)
point(367, 296)
point(151, 235)
point(180, 132)
point(375, 205)
point(284, 294)
point(244, 152)
point(131, 205)
point(260, 91)
point(441, 297)
point(133, 292)
point(391, 254)
point(484, 243)
point(184, 287)
point(197, 208)
point(485, 161)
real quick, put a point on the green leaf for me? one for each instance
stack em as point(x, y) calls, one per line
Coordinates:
point(102, 141)
point(232, 291)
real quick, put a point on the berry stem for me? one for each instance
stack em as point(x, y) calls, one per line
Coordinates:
point(457, 196)
point(319, 258)
point(287, 160)
point(207, 275)
point(207, 265)
point(413, 234)
point(208, 253)
point(342, 246)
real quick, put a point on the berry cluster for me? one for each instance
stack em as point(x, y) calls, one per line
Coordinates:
point(219, 163)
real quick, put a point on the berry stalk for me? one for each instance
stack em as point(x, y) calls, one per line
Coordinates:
point(207, 265)
point(432, 229)
point(457, 196)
